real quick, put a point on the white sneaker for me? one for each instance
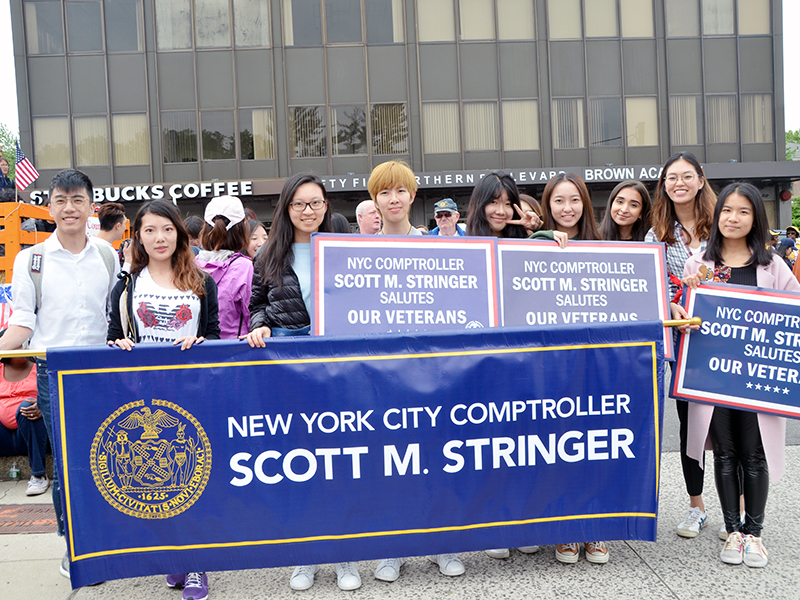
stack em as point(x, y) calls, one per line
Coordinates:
point(388, 569)
point(755, 555)
point(449, 564)
point(347, 577)
point(567, 553)
point(63, 568)
point(303, 577)
point(695, 520)
point(733, 549)
point(498, 553)
point(723, 533)
point(37, 485)
point(528, 549)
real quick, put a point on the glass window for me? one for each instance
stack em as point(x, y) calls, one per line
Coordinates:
point(568, 123)
point(348, 130)
point(685, 120)
point(173, 24)
point(605, 122)
point(218, 135)
point(43, 28)
point(91, 141)
point(756, 118)
point(256, 133)
point(384, 21)
point(477, 19)
point(754, 17)
point(343, 21)
point(520, 125)
point(436, 21)
point(722, 121)
point(641, 119)
point(302, 23)
point(683, 18)
point(515, 20)
point(564, 19)
point(51, 142)
point(180, 136)
point(131, 143)
point(84, 27)
point(124, 25)
point(213, 23)
point(307, 131)
point(440, 127)
point(480, 126)
point(251, 23)
point(600, 17)
point(717, 17)
point(389, 129)
point(637, 18)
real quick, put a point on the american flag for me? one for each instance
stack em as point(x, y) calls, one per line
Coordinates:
point(25, 172)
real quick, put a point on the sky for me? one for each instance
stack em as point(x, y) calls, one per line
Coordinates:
point(791, 70)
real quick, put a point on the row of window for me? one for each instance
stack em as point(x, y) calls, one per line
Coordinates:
point(186, 24)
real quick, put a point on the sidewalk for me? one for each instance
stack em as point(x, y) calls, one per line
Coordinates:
point(673, 567)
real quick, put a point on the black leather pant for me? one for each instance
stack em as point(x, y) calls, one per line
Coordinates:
point(736, 439)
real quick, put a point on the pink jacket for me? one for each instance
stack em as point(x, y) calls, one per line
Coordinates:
point(778, 276)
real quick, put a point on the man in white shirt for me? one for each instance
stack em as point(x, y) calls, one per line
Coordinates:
point(75, 283)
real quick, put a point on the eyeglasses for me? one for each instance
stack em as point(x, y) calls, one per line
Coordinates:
point(685, 178)
point(301, 206)
point(442, 215)
point(76, 201)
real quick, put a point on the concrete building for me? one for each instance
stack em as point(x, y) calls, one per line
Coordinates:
point(184, 98)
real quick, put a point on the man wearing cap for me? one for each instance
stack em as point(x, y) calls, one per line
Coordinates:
point(446, 214)
point(791, 233)
point(775, 235)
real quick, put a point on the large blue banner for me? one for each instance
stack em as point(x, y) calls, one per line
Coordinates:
point(322, 450)
point(747, 352)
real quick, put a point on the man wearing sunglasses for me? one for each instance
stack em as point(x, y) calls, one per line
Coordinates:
point(446, 214)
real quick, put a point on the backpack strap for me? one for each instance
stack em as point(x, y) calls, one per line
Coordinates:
point(35, 266)
point(109, 257)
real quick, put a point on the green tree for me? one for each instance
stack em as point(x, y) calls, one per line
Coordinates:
point(796, 211)
point(792, 137)
point(8, 142)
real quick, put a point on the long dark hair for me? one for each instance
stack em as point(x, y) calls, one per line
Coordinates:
point(758, 235)
point(587, 226)
point(491, 187)
point(664, 216)
point(219, 237)
point(277, 258)
point(609, 230)
point(186, 275)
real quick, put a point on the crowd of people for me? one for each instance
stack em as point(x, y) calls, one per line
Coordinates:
point(241, 282)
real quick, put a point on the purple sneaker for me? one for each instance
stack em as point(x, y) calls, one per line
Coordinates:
point(195, 587)
point(176, 581)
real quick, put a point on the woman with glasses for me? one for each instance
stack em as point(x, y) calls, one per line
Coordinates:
point(682, 216)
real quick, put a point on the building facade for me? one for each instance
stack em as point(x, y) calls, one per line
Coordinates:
point(159, 92)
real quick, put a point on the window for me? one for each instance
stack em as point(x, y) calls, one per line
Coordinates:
point(213, 23)
point(683, 18)
point(218, 135)
point(251, 23)
point(477, 19)
point(637, 18)
point(348, 130)
point(256, 133)
point(717, 17)
point(131, 144)
point(685, 120)
point(180, 136)
point(307, 131)
point(600, 17)
point(436, 21)
point(124, 25)
point(564, 19)
point(641, 118)
point(343, 21)
point(515, 20)
point(605, 122)
point(756, 118)
point(389, 129)
point(480, 126)
point(440, 128)
point(43, 28)
point(384, 21)
point(721, 119)
point(302, 23)
point(568, 123)
point(84, 27)
point(173, 24)
point(520, 125)
point(754, 17)
point(51, 142)
point(91, 141)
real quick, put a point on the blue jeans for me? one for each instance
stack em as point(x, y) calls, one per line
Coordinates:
point(30, 437)
point(43, 400)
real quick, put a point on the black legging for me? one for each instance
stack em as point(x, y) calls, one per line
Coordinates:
point(692, 473)
point(736, 440)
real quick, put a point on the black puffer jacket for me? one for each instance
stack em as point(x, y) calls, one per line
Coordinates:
point(278, 306)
